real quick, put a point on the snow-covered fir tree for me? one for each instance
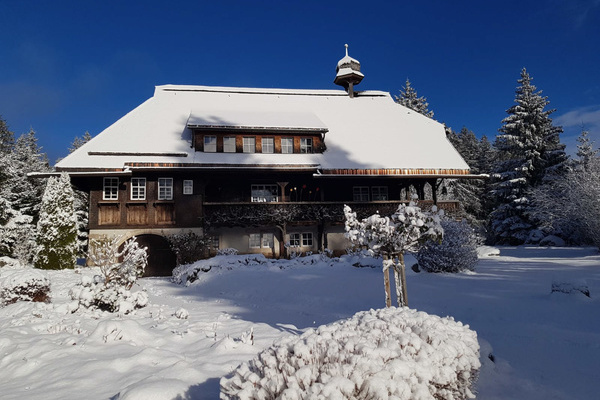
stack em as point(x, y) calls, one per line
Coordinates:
point(80, 141)
point(585, 150)
point(25, 193)
point(57, 226)
point(409, 98)
point(529, 153)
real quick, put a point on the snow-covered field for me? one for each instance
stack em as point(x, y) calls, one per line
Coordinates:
point(544, 345)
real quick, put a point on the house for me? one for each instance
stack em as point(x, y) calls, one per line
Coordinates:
point(259, 170)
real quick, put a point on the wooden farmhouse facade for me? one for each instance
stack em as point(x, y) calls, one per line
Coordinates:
point(258, 170)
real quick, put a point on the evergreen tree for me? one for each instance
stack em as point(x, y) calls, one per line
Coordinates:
point(585, 150)
point(409, 98)
point(57, 226)
point(25, 193)
point(80, 141)
point(529, 153)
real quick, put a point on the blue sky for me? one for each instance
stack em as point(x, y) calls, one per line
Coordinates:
point(74, 66)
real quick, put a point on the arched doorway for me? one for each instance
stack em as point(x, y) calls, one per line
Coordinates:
point(161, 259)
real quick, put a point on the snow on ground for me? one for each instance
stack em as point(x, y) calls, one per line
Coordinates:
point(545, 345)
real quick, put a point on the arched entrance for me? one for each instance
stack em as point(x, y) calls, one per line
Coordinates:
point(161, 259)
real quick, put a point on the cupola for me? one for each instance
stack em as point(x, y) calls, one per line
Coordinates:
point(348, 73)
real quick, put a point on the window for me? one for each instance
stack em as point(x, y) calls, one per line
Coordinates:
point(287, 145)
point(165, 188)
point(263, 193)
point(360, 193)
point(229, 144)
point(254, 240)
point(210, 144)
point(138, 188)
point(267, 240)
point(249, 145)
point(306, 145)
point(188, 186)
point(307, 239)
point(214, 242)
point(110, 190)
point(295, 240)
point(379, 193)
point(268, 145)
point(304, 239)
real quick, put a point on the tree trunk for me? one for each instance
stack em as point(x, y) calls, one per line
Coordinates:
point(386, 280)
point(400, 275)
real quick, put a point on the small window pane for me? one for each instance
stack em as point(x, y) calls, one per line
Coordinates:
point(254, 240)
point(110, 189)
point(295, 239)
point(287, 145)
point(379, 193)
point(138, 188)
point(306, 145)
point(249, 145)
point(307, 239)
point(210, 144)
point(268, 145)
point(229, 144)
point(360, 193)
point(165, 188)
point(267, 240)
point(188, 186)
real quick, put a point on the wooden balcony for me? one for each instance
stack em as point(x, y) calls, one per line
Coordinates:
point(254, 214)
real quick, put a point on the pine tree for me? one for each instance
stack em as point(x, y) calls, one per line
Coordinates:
point(57, 226)
point(529, 153)
point(409, 98)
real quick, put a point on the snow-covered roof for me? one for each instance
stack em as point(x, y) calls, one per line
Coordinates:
point(367, 132)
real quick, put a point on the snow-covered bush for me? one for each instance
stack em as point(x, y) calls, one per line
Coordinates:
point(378, 354)
point(186, 274)
point(455, 253)
point(23, 285)
point(57, 226)
point(229, 251)
point(188, 247)
point(110, 291)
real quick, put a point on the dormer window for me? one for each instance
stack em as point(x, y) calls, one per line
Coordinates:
point(229, 144)
point(287, 145)
point(306, 145)
point(249, 145)
point(210, 144)
point(268, 145)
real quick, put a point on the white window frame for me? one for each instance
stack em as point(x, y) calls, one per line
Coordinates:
point(267, 241)
point(210, 144)
point(228, 146)
point(268, 145)
point(306, 145)
point(249, 144)
point(137, 189)
point(307, 239)
point(188, 186)
point(264, 193)
point(110, 188)
point(165, 188)
point(254, 241)
point(360, 193)
point(379, 193)
point(295, 239)
point(287, 145)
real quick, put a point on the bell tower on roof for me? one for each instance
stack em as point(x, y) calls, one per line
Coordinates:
point(348, 73)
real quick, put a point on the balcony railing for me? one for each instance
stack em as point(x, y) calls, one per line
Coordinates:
point(245, 214)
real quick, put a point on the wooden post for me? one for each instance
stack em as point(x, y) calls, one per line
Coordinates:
point(386, 282)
